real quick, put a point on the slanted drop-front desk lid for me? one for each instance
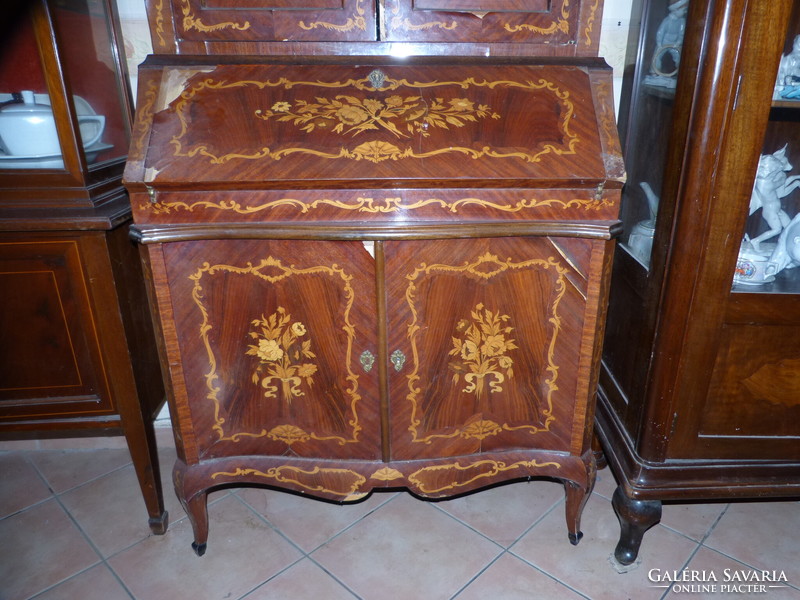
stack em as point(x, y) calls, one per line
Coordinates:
point(262, 124)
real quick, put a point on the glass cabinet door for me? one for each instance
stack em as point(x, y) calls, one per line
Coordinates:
point(63, 103)
point(91, 67)
point(28, 135)
point(769, 256)
point(646, 113)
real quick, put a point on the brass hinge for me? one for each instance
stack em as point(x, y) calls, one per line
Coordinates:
point(151, 192)
point(598, 194)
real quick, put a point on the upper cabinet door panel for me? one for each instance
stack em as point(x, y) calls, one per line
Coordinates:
point(269, 335)
point(556, 27)
point(273, 20)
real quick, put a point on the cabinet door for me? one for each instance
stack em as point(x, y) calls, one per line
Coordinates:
point(50, 362)
point(485, 342)
point(267, 20)
point(269, 335)
point(560, 27)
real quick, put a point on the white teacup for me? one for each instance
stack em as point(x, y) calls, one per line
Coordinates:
point(751, 268)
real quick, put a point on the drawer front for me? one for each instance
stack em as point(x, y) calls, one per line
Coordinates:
point(264, 340)
point(493, 336)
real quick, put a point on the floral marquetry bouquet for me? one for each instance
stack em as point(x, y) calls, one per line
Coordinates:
point(481, 351)
point(350, 115)
point(283, 355)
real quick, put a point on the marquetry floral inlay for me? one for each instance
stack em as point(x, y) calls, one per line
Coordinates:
point(401, 116)
point(283, 356)
point(481, 352)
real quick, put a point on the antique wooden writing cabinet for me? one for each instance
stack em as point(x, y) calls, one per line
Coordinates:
point(372, 272)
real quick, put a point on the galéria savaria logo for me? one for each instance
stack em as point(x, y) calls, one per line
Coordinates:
point(725, 581)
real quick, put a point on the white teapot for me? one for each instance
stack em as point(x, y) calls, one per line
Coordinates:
point(29, 129)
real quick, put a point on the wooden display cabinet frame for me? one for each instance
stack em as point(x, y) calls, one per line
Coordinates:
point(674, 414)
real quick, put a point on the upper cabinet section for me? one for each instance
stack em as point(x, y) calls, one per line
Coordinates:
point(418, 27)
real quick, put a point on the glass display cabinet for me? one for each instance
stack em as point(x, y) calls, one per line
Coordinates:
point(78, 355)
point(699, 394)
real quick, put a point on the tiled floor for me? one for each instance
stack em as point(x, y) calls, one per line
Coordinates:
point(73, 526)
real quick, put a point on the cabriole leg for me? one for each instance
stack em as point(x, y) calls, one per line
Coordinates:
point(577, 496)
point(196, 507)
point(635, 517)
point(197, 510)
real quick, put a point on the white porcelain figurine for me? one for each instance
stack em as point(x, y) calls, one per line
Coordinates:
point(669, 40)
point(758, 261)
point(788, 82)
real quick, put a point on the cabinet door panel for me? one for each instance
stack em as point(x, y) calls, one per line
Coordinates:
point(491, 332)
point(270, 334)
point(277, 20)
point(50, 362)
point(565, 27)
point(754, 395)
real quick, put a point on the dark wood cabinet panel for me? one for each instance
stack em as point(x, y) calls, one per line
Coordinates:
point(50, 353)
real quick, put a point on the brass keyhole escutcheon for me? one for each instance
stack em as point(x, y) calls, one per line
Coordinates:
point(367, 360)
point(377, 78)
point(398, 359)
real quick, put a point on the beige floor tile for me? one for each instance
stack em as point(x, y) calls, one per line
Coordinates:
point(307, 522)
point(110, 510)
point(166, 460)
point(588, 567)
point(692, 520)
point(725, 578)
point(510, 578)
point(84, 443)
point(66, 469)
point(97, 583)
point(605, 484)
point(303, 581)
point(40, 547)
point(504, 513)
point(243, 552)
point(21, 484)
point(406, 549)
point(761, 534)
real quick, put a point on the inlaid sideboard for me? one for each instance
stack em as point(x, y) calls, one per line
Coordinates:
point(377, 273)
